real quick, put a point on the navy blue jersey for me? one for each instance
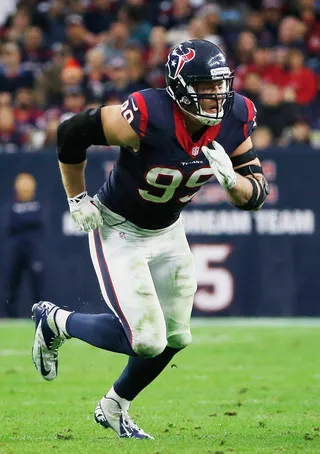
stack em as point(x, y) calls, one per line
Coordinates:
point(150, 187)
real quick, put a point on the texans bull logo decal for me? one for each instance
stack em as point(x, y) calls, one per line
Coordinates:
point(177, 61)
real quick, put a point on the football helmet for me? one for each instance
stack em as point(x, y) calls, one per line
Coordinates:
point(195, 61)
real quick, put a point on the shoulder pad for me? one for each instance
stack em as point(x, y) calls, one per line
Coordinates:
point(149, 112)
point(243, 108)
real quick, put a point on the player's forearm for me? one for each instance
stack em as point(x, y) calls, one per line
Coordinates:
point(73, 178)
point(241, 193)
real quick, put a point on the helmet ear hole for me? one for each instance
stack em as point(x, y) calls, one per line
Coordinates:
point(186, 100)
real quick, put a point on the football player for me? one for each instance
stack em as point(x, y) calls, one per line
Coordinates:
point(171, 142)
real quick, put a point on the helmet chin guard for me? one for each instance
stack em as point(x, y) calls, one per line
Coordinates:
point(202, 118)
point(194, 62)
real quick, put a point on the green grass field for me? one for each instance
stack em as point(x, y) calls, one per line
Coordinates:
point(241, 387)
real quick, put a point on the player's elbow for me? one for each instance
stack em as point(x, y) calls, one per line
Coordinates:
point(77, 134)
point(70, 150)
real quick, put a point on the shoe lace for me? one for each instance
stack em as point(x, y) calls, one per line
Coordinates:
point(55, 344)
point(57, 341)
point(128, 421)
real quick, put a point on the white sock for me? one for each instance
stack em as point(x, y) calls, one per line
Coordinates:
point(61, 320)
point(124, 403)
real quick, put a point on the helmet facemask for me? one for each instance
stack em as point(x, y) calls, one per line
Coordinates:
point(189, 99)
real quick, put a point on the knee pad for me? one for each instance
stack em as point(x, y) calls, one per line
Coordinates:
point(178, 335)
point(149, 339)
point(179, 340)
point(149, 349)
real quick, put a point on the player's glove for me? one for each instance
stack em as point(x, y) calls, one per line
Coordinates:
point(221, 164)
point(85, 212)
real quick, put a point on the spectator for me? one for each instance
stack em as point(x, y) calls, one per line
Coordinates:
point(13, 74)
point(274, 113)
point(74, 102)
point(245, 47)
point(262, 138)
point(291, 33)
point(175, 14)
point(301, 134)
point(156, 56)
point(277, 73)
point(252, 86)
point(95, 74)
point(5, 99)
point(78, 37)
point(77, 7)
point(25, 236)
point(256, 25)
point(132, 16)
point(136, 67)
point(261, 64)
point(106, 60)
point(116, 41)
point(197, 29)
point(17, 25)
point(300, 78)
point(99, 16)
point(33, 49)
point(272, 14)
point(71, 75)
point(56, 22)
point(210, 14)
point(49, 139)
point(309, 15)
point(49, 81)
point(119, 84)
point(11, 140)
point(27, 116)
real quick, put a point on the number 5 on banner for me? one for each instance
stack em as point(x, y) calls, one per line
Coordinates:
point(215, 283)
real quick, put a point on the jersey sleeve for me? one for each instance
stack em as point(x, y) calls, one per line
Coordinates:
point(250, 124)
point(241, 123)
point(136, 110)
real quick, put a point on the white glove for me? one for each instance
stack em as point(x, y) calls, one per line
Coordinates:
point(85, 212)
point(221, 164)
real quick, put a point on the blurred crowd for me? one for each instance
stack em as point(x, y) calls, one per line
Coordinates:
point(58, 57)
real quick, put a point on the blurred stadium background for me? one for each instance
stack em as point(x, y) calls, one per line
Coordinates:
point(58, 57)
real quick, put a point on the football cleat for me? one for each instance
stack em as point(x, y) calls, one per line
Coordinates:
point(47, 339)
point(109, 414)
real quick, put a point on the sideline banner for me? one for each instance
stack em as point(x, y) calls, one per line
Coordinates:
point(248, 263)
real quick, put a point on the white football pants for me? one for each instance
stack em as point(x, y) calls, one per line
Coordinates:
point(147, 278)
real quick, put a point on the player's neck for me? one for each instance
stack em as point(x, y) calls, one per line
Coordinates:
point(191, 124)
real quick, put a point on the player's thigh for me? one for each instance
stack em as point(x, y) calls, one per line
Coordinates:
point(174, 278)
point(128, 288)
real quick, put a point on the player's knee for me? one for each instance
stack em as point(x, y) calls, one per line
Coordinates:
point(179, 340)
point(149, 344)
point(149, 337)
point(149, 349)
point(178, 333)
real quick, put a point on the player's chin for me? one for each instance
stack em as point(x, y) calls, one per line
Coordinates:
point(213, 110)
